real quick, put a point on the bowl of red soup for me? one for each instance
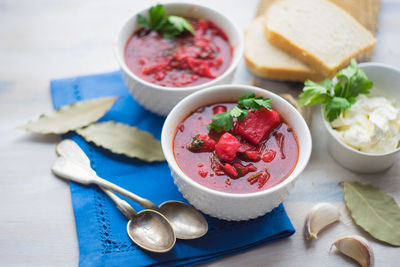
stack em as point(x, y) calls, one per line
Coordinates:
point(235, 151)
point(169, 51)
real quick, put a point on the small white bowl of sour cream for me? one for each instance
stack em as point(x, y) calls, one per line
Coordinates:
point(386, 84)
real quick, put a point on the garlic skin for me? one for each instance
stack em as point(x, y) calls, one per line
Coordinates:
point(356, 247)
point(320, 216)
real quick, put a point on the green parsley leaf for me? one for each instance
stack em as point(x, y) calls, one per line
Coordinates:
point(254, 103)
point(175, 26)
point(169, 31)
point(352, 81)
point(221, 121)
point(265, 103)
point(335, 107)
point(315, 93)
point(235, 112)
point(181, 24)
point(143, 21)
point(156, 16)
point(248, 95)
point(246, 102)
point(239, 113)
point(340, 93)
point(169, 27)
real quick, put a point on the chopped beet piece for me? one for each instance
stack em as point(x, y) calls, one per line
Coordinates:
point(280, 139)
point(215, 135)
point(227, 147)
point(219, 109)
point(244, 146)
point(216, 166)
point(269, 155)
point(203, 173)
point(160, 75)
point(142, 61)
point(254, 156)
point(202, 143)
point(240, 169)
point(251, 168)
point(257, 125)
point(154, 68)
point(230, 171)
point(200, 67)
point(262, 179)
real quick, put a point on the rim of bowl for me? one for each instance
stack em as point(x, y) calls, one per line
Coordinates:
point(235, 60)
point(330, 129)
point(175, 167)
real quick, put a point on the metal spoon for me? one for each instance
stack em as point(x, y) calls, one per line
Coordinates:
point(186, 221)
point(148, 229)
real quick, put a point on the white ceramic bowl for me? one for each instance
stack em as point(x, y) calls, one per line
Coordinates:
point(223, 205)
point(386, 83)
point(159, 99)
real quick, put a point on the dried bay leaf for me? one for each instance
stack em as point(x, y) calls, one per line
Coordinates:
point(120, 138)
point(374, 211)
point(71, 117)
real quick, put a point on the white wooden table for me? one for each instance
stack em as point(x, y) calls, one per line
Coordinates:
point(43, 40)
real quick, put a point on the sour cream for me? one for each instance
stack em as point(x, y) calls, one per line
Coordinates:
point(371, 125)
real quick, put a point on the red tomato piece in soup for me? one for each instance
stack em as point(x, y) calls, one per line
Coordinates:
point(185, 60)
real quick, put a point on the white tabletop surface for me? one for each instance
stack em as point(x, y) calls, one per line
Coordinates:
point(45, 39)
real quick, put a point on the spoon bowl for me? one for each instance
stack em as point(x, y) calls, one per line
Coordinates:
point(148, 229)
point(151, 231)
point(186, 221)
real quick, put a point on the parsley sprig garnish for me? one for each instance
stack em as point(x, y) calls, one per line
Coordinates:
point(169, 26)
point(224, 121)
point(338, 94)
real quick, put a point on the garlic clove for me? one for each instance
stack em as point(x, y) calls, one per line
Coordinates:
point(356, 247)
point(320, 216)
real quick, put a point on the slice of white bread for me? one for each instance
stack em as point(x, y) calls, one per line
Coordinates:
point(317, 32)
point(268, 61)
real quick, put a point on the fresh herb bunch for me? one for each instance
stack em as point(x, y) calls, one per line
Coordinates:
point(338, 94)
point(169, 26)
point(224, 120)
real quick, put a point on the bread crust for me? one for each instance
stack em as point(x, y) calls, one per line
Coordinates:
point(279, 40)
point(281, 74)
point(263, 68)
point(313, 61)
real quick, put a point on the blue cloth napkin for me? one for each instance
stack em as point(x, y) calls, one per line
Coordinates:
point(101, 228)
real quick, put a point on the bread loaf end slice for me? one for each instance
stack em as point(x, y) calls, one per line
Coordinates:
point(268, 61)
point(318, 33)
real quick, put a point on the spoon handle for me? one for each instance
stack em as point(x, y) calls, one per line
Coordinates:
point(145, 203)
point(76, 172)
point(122, 205)
point(70, 150)
point(72, 171)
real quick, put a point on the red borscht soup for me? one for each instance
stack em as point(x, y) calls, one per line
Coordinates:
point(186, 60)
point(257, 154)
